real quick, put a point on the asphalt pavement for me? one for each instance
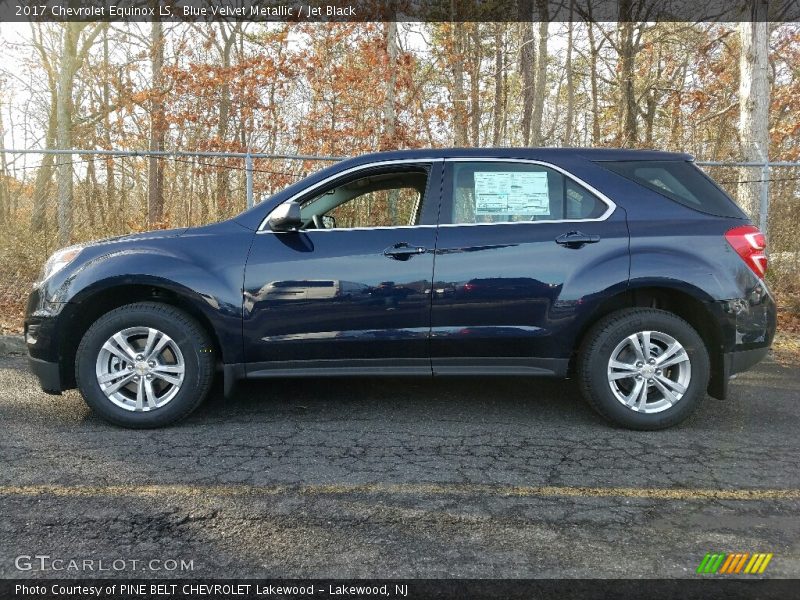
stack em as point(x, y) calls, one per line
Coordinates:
point(397, 478)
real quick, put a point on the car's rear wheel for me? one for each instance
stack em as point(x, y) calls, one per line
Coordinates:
point(144, 365)
point(643, 368)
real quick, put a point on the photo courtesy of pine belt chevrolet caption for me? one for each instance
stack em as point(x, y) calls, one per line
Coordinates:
point(629, 271)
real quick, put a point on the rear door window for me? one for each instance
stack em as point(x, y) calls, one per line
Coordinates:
point(680, 181)
point(499, 192)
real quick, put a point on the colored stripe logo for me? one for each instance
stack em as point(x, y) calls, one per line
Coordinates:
point(734, 563)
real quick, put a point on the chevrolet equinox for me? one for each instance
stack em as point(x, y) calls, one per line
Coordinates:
point(630, 271)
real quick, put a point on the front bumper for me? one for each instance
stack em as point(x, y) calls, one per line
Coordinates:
point(44, 326)
point(48, 374)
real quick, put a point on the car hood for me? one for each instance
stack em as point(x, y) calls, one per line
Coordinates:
point(144, 235)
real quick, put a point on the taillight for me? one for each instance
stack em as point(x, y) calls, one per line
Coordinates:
point(751, 245)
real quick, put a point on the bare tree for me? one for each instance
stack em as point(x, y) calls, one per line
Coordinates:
point(44, 175)
point(627, 133)
point(389, 109)
point(527, 60)
point(753, 100)
point(499, 108)
point(5, 204)
point(570, 116)
point(460, 122)
point(595, 46)
point(540, 90)
point(111, 190)
point(476, 56)
point(223, 37)
point(74, 50)
point(155, 186)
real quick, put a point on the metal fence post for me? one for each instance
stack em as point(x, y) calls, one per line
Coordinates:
point(248, 167)
point(763, 205)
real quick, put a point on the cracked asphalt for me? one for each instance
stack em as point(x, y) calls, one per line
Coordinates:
point(410, 478)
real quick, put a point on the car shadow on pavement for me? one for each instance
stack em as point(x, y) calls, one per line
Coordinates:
point(462, 398)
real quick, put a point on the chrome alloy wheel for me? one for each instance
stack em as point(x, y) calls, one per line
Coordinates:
point(140, 369)
point(649, 371)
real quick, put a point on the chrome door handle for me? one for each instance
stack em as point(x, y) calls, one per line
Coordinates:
point(576, 239)
point(403, 251)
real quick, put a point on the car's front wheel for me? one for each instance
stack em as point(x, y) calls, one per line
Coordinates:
point(643, 368)
point(144, 365)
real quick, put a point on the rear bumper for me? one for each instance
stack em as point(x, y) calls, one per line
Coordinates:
point(736, 362)
point(747, 329)
point(732, 363)
point(48, 374)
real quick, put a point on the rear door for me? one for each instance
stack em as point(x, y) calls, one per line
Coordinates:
point(525, 252)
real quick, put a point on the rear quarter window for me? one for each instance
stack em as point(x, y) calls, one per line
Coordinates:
point(680, 181)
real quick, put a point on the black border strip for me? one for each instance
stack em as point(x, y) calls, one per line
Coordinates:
point(702, 587)
point(400, 10)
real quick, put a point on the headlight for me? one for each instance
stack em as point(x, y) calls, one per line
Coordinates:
point(59, 260)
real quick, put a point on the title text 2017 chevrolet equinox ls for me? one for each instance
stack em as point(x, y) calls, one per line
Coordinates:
point(628, 270)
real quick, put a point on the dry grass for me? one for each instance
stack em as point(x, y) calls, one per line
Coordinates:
point(786, 347)
point(22, 255)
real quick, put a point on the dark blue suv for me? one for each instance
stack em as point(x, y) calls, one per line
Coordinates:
point(628, 270)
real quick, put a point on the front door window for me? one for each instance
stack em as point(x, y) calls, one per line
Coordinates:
point(389, 199)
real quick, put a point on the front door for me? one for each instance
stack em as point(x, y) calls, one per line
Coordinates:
point(351, 290)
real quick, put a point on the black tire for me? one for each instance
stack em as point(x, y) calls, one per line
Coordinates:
point(190, 337)
point(598, 346)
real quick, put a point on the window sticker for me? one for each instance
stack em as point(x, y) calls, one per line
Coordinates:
point(511, 193)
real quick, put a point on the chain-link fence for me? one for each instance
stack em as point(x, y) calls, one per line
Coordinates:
point(110, 187)
point(110, 193)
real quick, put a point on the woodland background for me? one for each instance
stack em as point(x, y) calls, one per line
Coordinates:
point(727, 92)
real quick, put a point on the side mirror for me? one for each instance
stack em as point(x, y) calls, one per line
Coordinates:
point(285, 217)
point(329, 221)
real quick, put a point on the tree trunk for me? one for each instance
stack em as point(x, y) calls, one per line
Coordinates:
point(475, 84)
point(90, 193)
point(527, 60)
point(73, 52)
point(540, 92)
point(626, 107)
point(44, 175)
point(458, 95)
point(594, 51)
point(64, 110)
point(155, 183)
point(568, 120)
point(754, 100)
point(389, 109)
point(223, 176)
point(651, 105)
point(497, 123)
point(111, 191)
point(5, 201)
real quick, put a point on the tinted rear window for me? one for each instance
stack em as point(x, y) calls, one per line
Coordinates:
point(678, 180)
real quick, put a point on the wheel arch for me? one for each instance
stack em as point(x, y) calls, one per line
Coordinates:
point(685, 301)
point(91, 304)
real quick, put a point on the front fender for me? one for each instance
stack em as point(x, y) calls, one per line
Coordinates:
point(205, 269)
